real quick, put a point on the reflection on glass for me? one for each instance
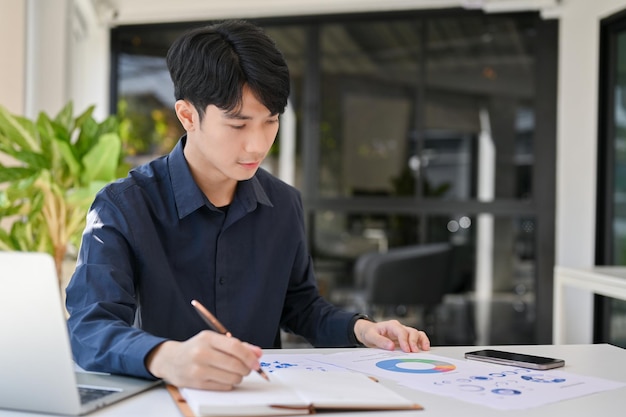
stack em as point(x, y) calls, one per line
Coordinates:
point(369, 82)
point(149, 126)
point(286, 154)
point(400, 109)
point(507, 247)
point(402, 102)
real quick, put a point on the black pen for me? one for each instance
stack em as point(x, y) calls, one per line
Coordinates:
point(215, 325)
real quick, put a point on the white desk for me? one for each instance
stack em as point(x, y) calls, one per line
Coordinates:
point(609, 281)
point(603, 361)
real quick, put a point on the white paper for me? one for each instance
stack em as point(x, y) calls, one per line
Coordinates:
point(341, 390)
point(296, 384)
point(496, 386)
point(251, 397)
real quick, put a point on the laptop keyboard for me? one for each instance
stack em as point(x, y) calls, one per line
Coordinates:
point(90, 394)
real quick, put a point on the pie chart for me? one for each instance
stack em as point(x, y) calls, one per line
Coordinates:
point(415, 366)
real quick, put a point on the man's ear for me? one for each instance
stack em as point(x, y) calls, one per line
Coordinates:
point(187, 114)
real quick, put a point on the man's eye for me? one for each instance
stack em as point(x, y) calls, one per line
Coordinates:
point(237, 126)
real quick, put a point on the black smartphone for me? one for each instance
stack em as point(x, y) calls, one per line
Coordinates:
point(515, 359)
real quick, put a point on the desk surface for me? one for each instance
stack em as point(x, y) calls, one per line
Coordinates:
point(604, 361)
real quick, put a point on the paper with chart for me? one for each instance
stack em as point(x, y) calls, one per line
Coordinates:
point(271, 362)
point(496, 386)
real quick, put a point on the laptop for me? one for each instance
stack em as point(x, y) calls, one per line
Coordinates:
point(37, 372)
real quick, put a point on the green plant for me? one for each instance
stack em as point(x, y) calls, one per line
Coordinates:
point(50, 171)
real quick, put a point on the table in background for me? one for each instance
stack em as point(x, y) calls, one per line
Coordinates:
point(603, 361)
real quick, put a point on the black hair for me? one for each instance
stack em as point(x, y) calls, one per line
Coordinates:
point(211, 64)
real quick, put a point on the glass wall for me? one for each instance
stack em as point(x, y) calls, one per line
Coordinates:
point(610, 324)
point(402, 129)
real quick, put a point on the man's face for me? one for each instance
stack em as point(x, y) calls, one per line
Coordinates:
point(230, 146)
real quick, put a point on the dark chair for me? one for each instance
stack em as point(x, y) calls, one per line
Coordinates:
point(393, 282)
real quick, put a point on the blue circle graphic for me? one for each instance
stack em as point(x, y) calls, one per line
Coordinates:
point(481, 378)
point(543, 379)
point(437, 366)
point(506, 391)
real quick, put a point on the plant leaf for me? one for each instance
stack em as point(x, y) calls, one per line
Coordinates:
point(69, 158)
point(87, 137)
point(19, 130)
point(86, 115)
point(10, 174)
point(32, 160)
point(5, 240)
point(101, 162)
point(65, 117)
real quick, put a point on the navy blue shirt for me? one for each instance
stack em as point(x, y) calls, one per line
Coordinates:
point(153, 242)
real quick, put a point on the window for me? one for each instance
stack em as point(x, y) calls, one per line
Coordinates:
point(610, 317)
point(405, 128)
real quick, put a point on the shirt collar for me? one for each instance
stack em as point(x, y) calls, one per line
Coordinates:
point(188, 196)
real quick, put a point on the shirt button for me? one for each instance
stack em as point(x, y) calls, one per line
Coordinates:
point(221, 281)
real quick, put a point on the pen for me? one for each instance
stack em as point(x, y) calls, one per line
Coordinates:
point(215, 325)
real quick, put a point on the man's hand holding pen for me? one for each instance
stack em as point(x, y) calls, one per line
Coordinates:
point(208, 360)
point(215, 325)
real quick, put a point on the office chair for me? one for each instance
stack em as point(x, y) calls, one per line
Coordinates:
point(392, 282)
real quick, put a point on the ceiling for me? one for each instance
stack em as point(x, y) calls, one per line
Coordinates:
point(115, 12)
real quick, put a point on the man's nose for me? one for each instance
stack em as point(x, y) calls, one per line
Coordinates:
point(258, 141)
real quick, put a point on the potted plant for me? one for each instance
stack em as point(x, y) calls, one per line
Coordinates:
point(50, 171)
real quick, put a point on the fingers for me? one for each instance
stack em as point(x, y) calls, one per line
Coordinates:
point(379, 341)
point(407, 338)
point(206, 361)
point(389, 334)
point(227, 353)
point(257, 351)
point(417, 340)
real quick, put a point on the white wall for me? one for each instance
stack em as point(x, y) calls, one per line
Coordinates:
point(12, 48)
point(33, 42)
point(577, 128)
point(13, 63)
point(577, 146)
point(89, 58)
point(46, 56)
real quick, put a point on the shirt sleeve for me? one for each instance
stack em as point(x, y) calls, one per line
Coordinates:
point(101, 298)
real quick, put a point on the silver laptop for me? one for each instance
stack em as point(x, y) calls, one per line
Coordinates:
point(37, 372)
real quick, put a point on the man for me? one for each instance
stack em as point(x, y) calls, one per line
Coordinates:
point(204, 222)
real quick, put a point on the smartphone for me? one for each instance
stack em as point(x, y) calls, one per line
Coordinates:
point(515, 359)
